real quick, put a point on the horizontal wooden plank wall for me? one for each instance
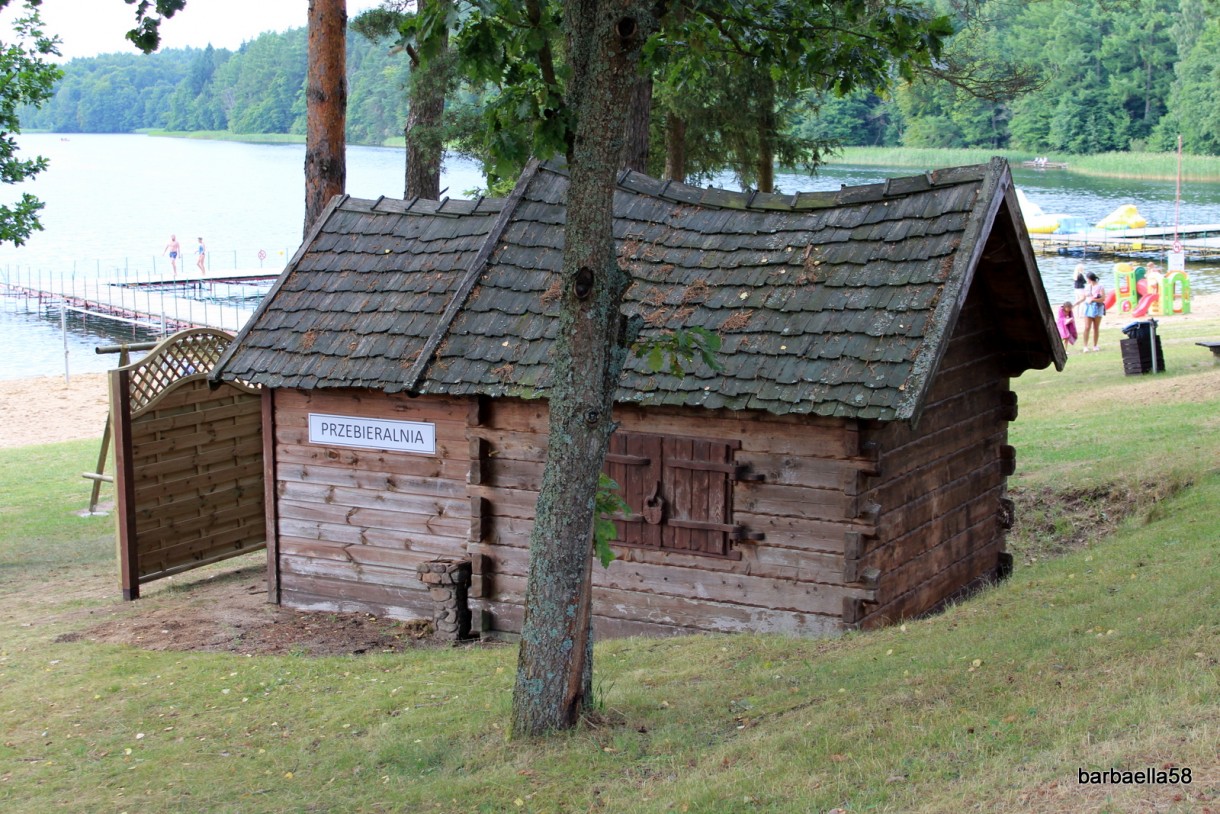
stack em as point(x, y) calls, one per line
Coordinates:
point(939, 489)
point(791, 581)
point(353, 524)
point(194, 460)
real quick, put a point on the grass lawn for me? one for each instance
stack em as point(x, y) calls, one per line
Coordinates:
point(1103, 657)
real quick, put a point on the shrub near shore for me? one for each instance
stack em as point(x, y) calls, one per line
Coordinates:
point(1105, 658)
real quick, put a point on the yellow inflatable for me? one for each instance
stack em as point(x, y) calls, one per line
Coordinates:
point(1037, 222)
point(1125, 217)
point(1041, 224)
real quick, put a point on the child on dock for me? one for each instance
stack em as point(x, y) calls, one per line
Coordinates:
point(201, 252)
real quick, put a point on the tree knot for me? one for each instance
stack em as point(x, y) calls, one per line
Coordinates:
point(582, 286)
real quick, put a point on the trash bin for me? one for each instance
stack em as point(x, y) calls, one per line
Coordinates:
point(1141, 347)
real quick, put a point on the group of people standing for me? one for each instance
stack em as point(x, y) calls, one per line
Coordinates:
point(174, 250)
point(1092, 295)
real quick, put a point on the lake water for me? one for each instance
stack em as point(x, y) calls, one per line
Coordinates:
point(112, 202)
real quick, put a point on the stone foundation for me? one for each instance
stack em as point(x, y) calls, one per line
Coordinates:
point(448, 584)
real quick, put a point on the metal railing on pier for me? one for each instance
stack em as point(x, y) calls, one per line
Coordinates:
point(159, 302)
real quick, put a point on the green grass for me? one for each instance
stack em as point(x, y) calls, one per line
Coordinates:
point(921, 157)
point(1163, 166)
point(1093, 424)
point(43, 494)
point(1105, 657)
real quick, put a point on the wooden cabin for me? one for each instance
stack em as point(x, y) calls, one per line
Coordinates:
point(845, 468)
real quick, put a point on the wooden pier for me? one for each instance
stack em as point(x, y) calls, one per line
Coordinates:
point(1199, 242)
point(158, 303)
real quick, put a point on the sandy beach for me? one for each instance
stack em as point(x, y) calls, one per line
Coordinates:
point(47, 410)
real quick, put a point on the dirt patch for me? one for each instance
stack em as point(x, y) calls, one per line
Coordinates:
point(1201, 385)
point(1052, 522)
point(229, 612)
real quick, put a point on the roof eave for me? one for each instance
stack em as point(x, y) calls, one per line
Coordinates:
point(953, 296)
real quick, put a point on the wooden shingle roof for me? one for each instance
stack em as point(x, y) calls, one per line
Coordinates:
point(829, 303)
point(364, 293)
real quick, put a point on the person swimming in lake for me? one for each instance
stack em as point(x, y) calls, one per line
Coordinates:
point(173, 249)
point(201, 253)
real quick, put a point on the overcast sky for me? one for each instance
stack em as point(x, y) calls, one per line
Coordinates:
point(90, 27)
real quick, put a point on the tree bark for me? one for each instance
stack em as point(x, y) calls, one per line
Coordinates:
point(553, 681)
point(426, 118)
point(766, 135)
point(675, 147)
point(325, 106)
point(639, 119)
point(424, 149)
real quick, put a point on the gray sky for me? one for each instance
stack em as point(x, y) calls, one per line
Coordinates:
point(90, 27)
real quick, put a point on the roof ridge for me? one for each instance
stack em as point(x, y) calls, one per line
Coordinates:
point(472, 275)
point(804, 201)
point(630, 180)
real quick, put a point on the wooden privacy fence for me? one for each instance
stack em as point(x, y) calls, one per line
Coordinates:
point(188, 461)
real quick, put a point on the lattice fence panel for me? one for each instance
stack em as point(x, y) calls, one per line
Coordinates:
point(183, 355)
point(188, 461)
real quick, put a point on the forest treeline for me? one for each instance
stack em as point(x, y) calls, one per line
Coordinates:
point(1110, 77)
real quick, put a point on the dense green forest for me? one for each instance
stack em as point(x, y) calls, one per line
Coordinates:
point(1110, 77)
point(257, 89)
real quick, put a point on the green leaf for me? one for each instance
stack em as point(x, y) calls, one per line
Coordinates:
point(607, 503)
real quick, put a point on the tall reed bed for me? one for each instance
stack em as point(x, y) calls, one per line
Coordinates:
point(1149, 166)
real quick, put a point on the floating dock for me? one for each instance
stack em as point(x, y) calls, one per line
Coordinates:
point(163, 304)
point(1199, 242)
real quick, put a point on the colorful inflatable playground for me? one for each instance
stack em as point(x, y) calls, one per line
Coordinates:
point(1140, 291)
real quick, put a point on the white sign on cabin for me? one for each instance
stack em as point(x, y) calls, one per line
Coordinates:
point(372, 433)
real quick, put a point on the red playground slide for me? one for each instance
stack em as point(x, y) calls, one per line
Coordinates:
point(1111, 298)
point(1144, 304)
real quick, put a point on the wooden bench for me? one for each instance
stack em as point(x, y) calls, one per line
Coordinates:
point(1214, 347)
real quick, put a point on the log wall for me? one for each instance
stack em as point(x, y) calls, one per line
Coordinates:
point(352, 525)
point(791, 581)
point(856, 523)
point(939, 486)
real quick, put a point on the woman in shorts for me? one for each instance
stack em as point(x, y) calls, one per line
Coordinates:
point(1094, 310)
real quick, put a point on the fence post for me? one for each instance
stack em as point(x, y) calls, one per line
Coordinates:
point(124, 484)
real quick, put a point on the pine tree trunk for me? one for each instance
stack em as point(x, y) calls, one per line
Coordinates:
point(425, 143)
point(639, 118)
point(553, 682)
point(675, 148)
point(326, 107)
point(425, 120)
point(766, 136)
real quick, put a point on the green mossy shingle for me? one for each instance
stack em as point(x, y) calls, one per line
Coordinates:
point(826, 303)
